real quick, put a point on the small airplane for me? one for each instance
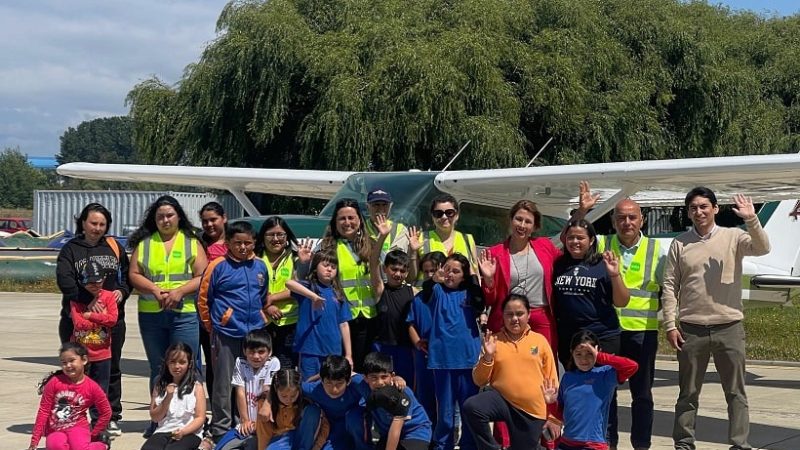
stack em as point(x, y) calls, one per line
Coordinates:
point(484, 197)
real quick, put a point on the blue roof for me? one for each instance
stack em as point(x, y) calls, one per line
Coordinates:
point(43, 162)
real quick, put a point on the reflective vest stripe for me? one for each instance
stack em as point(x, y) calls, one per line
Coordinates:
point(462, 244)
point(277, 283)
point(164, 271)
point(641, 313)
point(355, 282)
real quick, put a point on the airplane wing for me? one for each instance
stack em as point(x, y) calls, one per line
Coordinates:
point(659, 182)
point(300, 183)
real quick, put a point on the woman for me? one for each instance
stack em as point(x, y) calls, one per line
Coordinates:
point(522, 382)
point(586, 288)
point(444, 237)
point(275, 244)
point(168, 262)
point(91, 244)
point(522, 264)
point(213, 220)
point(347, 236)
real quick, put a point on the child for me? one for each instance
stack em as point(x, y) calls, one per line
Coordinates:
point(585, 393)
point(453, 347)
point(66, 395)
point(399, 418)
point(231, 303)
point(419, 328)
point(339, 397)
point(93, 329)
point(178, 403)
point(251, 380)
point(394, 301)
point(296, 424)
point(322, 327)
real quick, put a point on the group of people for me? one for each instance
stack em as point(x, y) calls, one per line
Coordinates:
point(383, 327)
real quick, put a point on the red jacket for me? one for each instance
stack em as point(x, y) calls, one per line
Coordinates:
point(95, 332)
point(545, 252)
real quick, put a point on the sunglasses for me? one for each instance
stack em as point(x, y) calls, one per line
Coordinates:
point(439, 213)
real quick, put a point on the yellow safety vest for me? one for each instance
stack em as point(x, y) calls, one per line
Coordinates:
point(277, 283)
point(167, 271)
point(462, 244)
point(397, 229)
point(355, 281)
point(641, 313)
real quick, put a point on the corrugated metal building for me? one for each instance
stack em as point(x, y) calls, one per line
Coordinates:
point(56, 210)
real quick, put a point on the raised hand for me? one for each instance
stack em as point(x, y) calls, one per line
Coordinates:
point(743, 207)
point(414, 241)
point(550, 390)
point(586, 200)
point(382, 225)
point(487, 264)
point(489, 345)
point(612, 263)
point(304, 251)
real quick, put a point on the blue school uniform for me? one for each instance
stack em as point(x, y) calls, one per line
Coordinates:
point(419, 315)
point(388, 402)
point(318, 334)
point(584, 396)
point(453, 350)
point(346, 414)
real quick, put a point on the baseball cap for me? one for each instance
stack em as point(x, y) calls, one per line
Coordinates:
point(92, 273)
point(378, 194)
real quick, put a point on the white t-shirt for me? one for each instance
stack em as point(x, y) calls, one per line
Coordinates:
point(181, 412)
point(254, 382)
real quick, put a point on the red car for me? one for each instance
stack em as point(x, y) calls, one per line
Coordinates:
point(14, 224)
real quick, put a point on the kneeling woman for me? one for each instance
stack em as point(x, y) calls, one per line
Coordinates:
point(520, 367)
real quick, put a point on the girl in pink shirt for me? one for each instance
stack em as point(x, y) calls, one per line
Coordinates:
point(66, 396)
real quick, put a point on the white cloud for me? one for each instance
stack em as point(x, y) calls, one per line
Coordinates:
point(66, 62)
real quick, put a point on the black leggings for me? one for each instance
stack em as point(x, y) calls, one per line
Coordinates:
point(489, 406)
point(163, 441)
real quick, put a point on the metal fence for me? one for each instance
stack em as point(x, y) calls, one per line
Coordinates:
point(55, 211)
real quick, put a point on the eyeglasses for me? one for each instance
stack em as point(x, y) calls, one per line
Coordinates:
point(278, 236)
point(439, 213)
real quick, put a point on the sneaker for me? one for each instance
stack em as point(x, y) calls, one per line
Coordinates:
point(150, 430)
point(105, 439)
point(113, 429)
point(206, 444)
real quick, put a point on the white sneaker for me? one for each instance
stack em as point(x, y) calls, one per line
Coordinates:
point(113, 429)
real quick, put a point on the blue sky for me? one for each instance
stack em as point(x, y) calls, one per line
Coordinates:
point(66, 62)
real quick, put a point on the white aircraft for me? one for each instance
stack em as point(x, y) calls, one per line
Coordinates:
point(485, 195)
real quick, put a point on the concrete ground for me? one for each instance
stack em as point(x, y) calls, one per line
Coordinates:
point(29, 343)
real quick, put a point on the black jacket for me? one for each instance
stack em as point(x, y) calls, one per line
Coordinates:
point(73, 258)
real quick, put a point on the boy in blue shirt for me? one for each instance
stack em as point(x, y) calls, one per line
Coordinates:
point(399, 418)
point(341, 398)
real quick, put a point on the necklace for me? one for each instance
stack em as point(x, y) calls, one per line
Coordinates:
point(522, 277)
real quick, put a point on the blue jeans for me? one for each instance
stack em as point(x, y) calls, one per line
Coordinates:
point(641, 346)
point(162, 329)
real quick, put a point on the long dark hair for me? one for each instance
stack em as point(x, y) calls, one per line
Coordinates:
point(286, 378)
point(469, 283)
point(361, 243)
point(272, 222)
point(148, 225)
point(79, 350)
point(313, 281)
point(90, 208)
point(591, 257)
point(186, 385)
point(217, 209)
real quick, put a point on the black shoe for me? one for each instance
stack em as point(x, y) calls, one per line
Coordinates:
point(150, 430)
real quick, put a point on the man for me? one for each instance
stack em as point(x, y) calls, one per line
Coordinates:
point(641, 265)
point(379, 203)
point(702, 285)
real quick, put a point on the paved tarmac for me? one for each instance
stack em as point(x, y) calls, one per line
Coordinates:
point(29, 343)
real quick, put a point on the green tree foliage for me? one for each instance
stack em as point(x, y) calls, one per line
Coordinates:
point(392, 84)
point(18, 180)
point(103, 140)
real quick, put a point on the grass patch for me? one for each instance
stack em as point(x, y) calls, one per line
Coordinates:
point(47, 285)
point(773, 333)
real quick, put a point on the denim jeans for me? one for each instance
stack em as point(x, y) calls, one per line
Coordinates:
point(162, 329)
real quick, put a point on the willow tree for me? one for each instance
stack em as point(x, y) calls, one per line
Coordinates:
point(392, 84)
